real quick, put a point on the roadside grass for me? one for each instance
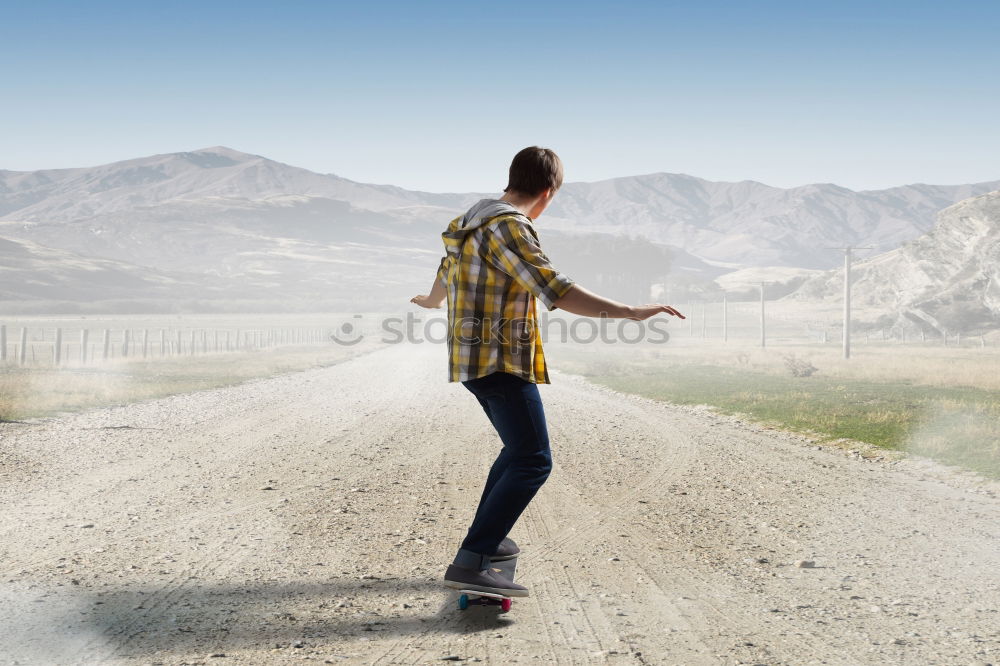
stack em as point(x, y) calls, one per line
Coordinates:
point(894, 400)
point(31, 392)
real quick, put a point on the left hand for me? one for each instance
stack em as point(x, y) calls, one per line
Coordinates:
point(642, 312)
point(424, 301)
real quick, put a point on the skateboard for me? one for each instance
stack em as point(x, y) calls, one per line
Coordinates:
point(468, 598)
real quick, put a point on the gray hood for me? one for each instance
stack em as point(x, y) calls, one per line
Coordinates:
point(481, 213)
point(484, 210)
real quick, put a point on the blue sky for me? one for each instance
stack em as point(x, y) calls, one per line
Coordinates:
point(439, 96)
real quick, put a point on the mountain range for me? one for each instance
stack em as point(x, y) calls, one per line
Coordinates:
point(947, 280)
point(258, 229)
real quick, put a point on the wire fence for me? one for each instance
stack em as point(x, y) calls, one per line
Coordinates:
point(744, 322)
point(28, 344)
point(60, 346)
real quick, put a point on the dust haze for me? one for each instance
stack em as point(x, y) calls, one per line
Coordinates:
point(226, 435)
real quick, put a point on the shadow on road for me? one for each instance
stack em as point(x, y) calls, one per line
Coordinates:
point(213, 619)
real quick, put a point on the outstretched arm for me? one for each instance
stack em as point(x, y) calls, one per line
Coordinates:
point(436, 298)
point(515, 250)
point(586, 303)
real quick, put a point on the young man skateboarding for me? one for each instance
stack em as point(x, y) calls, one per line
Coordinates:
point(491, 275)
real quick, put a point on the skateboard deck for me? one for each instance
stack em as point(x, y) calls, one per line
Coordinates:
point(468, 598)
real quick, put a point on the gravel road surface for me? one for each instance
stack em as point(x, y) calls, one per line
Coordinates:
point(310, 517)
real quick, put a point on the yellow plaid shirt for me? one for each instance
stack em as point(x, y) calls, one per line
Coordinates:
point(493, 272)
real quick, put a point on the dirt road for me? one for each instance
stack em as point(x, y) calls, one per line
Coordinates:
point(310, 517)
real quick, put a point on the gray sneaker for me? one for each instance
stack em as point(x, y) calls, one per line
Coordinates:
point(488, 580)
point(507, 550)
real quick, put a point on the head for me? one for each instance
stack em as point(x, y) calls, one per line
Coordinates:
point(536, 174)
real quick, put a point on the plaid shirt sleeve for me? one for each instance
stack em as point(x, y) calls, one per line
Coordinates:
point(512, 246)
point(442, 272)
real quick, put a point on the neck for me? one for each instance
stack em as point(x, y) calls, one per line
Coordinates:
point(522, 203)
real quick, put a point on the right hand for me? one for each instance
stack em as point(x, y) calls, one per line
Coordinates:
point(424, 301)
point(641, 312)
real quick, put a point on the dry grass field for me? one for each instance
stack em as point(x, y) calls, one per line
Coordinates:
point(941, 402)
point(40, 388)
point(925, 398)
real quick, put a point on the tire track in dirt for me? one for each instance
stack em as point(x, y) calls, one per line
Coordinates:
point(552, 601)
point(640, 548)
point(578, 542)
point(219, 557)
point(457, 492)
point(702, 611)
point(233, 428)
point(395, 422)
point(708, 604)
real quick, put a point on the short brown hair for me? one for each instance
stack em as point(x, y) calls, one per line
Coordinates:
point(533, 170)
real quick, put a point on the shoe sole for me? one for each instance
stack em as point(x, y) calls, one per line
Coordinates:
point(504, 558)
point(482, 588)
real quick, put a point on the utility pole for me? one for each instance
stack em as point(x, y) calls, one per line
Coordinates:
point(847, 295)
point(763, 334)
point(725, 318)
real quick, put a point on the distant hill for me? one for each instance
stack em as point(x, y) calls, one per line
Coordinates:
point(31, 272)
point(248, 224)
point(946, 280)
point(63, 195)
point(751, 224)
point(779, 281)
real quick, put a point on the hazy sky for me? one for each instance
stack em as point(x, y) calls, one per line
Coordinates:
point(439, 95)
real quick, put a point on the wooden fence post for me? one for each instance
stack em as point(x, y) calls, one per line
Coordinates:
point(84, 334)
point(3, 342)
point(145, 342)
point(107, 343)
point(57, 348)
point(125, 341)
point(179, 346)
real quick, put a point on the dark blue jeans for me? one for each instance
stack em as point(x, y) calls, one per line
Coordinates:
point(514, 407)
